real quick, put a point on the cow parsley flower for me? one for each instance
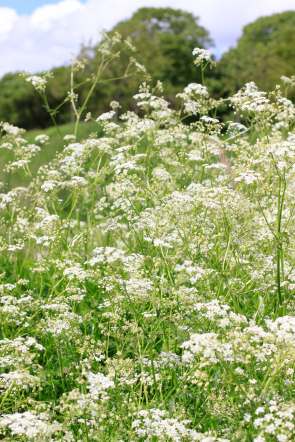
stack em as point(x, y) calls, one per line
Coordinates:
point(29, 425)
point(106, 116)
point(203, 57)
point(38, 82)
point(42, 138)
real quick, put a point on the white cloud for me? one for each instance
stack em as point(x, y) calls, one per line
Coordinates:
point(7, 18)
point(45, 16)
point(48, 36)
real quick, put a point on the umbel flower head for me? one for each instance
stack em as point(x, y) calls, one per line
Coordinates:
point(38, 82)
point(204, 57)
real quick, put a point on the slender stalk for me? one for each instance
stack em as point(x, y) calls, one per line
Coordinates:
point(279, 244)
point(7, 393)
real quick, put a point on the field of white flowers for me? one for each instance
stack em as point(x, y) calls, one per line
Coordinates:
point(148, 276)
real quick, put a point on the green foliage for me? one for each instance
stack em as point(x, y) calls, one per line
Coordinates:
point(165, 39)
point(264, 53)
point(19, 101)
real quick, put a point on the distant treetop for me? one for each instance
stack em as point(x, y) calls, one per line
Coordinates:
point(264, 53)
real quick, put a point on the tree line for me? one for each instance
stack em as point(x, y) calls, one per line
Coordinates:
point(164, 39)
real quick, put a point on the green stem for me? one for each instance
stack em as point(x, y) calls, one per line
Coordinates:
point(7, 393)
point(279, 245)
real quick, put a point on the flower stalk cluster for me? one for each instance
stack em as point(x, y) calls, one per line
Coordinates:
point(147, 276)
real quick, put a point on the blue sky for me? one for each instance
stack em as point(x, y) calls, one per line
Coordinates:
point(27, 6)
point(36, 35)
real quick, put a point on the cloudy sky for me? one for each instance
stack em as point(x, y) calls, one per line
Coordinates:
point(36, 35)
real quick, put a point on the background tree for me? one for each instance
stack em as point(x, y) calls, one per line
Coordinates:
point(164, 38)
point(22, 106)
point(264, 53)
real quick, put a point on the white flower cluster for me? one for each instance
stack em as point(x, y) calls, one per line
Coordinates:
point(98, 384)
point(275, 420)
point(29, 425)
point(38, 82)
point(42, 138)
point(154, 422)
point(203, 56)
point(155, 266)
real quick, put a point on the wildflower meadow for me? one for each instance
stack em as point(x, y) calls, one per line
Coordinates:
point(148, 273)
